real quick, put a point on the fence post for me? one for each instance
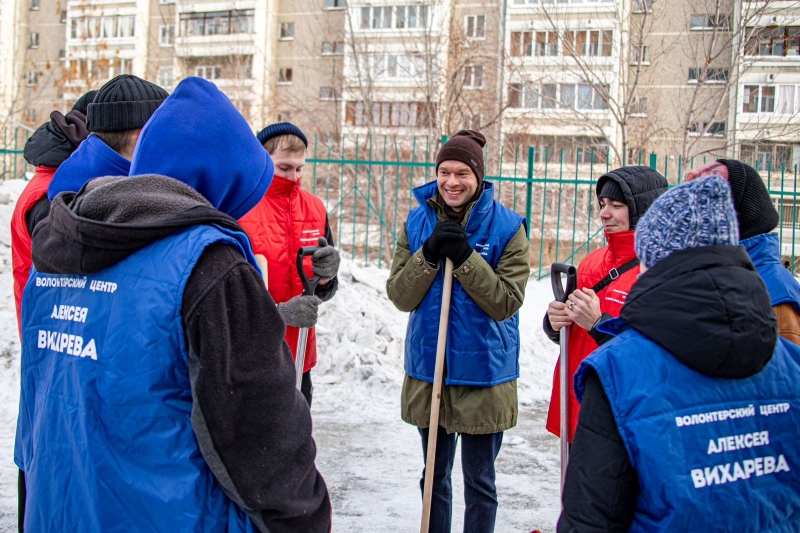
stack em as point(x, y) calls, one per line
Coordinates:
point(529, 188)
point(653, 161)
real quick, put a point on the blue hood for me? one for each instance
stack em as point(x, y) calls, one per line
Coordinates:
point(93, 159)
point(765, 252)
point(197, 137)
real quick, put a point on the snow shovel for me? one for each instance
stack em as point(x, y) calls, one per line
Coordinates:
point(262, 264)
point(309, 286)
point(561, 294)
point(433, 431)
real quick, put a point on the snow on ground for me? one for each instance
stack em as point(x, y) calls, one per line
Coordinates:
point(369, 457)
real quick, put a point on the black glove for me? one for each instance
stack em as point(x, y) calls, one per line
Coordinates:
point(457, 250)
point(444, 231)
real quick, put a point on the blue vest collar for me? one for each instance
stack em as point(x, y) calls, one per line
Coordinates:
point(763, 249)
point(423, 193)
point(613, 326)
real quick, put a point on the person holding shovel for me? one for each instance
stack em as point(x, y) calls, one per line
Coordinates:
point(605, 276)
point(459, 220)
point(286, 219)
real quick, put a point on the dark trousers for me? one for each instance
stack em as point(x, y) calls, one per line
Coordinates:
point(478, 453)
point(306, 388)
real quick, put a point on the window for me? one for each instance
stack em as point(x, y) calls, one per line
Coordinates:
point(327, 93)
point(63, 19)
point(285, 76)
point(476, 26)
point(552, 96)
point(35, 4)
point(769, 99)
point(638, 107)
point(32, 78)
point(394, 66)
point(33, 40)
point(120, 66)
point(166, 77)
point(768, 156)
point(62, 55)
point(287, 31)
point(560, 2)
point(750, 95)
point(709, 75)
point(472, 122)
point(710, 22)
point(218, 22)
point(338, 48)
point(327, 48)
point(163, 2)
point(642, 6)
point(715, 129)
point(30, 116)
point(387, 114)
point(643, 56)
point(773, 41)
point(284, 117)
point(335, 4)
point(473, 76)
point(166, 34)
point(111, 27)
point(591, 43)
point(208, 72)
point(399, 17)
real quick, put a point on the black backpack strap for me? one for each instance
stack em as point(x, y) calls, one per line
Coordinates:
point(614, 273)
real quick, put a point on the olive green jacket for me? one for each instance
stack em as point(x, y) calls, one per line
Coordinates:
point(499, 293)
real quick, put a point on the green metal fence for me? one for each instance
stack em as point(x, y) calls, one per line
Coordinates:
point(366, 183)
point(12, 164)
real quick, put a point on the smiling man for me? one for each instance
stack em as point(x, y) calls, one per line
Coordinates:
point(605, 276)
point(459, 219)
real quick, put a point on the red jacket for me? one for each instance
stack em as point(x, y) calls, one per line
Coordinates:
point(20, 239)
point(592, 269)
point(286, 219)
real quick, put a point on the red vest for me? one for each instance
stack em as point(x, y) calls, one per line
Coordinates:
point(20, 239)
point(286, 219)
point(592, 269)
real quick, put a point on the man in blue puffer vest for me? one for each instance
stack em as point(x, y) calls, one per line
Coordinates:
point(690, 417)
point(757, 218)
point(157, 392)
point(459, 219)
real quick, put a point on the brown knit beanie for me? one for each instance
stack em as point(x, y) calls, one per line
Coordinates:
point(465, 146)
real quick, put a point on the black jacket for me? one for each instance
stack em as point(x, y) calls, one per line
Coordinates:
point(53, 142)
point(253, 426)
point(641, 186)
point(710, 309)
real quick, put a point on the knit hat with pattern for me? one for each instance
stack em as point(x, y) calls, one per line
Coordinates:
point(697, 213)
point(124, 103)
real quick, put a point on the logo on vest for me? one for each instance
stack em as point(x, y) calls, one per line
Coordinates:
point(65, 342)
point(482, 249)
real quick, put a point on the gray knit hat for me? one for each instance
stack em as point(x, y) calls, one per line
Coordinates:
point(697, 213)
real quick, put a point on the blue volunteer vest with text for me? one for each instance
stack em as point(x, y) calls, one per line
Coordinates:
point(711, 454)
point(480, 351)
point(104, 432)
point(765, 252)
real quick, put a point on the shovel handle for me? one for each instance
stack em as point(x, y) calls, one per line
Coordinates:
point(561, 292)
point(309, 285)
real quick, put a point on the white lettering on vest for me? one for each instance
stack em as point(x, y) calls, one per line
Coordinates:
point(57, 341)
point(774, 409)
point(102, 286)
point(721, 474)
point(70, 312)
point(715, 416)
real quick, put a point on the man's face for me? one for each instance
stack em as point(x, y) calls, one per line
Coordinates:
point(614, 215)
point(457, 183)
point(289, 165)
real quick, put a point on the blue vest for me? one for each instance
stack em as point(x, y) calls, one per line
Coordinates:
point(480, 351)
point(711, 454)
point(104, 432)
point(765, 252)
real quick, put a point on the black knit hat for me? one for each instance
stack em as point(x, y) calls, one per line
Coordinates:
point(465, 146)
point(612, 191)
point(124, 103)
point(754, 207)
point(281, 128)
point(83, 102)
